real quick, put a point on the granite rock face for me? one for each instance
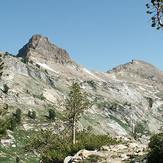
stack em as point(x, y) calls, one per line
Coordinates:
point(128, 99)
point(40, 49)
point(139, 68)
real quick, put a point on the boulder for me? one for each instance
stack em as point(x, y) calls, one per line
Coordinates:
point(67, 159)
point(7, 142)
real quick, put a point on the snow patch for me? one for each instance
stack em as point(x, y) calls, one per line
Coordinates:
point(93, 75)
point(47, 67)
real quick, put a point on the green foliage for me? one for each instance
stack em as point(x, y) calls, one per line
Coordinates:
point(121, 123)
point(140, 129)
point(109, 105)
point(91, 83)
point(40, 96)
point(39, 140)
point(13, 123)
point(17, 159)
point(14, 120)
point(155, 9)
point(1, 72)
point(54, 148)
point(3, 110)
point(30, 61)
point(4, 120)
point(24, 60)
point(52, 114)
point(32, 114)
point(38, 66)
point(150, 101)
point(3, 127)
point(8, 121)
point(76, 102)
point(18, 115)
point(91, 141)
point(9, 154)
point(49, 145)
point(6, 88)
point(156, 149)
point(1, 67)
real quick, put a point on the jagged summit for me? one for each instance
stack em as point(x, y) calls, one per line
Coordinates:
point(40, 49)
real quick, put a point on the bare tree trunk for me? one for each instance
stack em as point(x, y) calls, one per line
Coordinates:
point(73, 133)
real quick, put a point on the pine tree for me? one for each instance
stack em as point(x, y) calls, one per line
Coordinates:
point(76, 102)
point(155, 9)
point(52, 114)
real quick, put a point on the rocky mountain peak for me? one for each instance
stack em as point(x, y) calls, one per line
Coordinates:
point(133, 65)
point(137, 68)
point(40, 49)
point(37, 41)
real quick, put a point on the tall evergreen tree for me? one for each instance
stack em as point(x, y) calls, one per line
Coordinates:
point(76, 102)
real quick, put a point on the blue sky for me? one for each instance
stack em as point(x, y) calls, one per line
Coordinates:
point(99, 34)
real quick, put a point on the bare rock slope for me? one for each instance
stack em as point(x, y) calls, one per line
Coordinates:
point(128, 97)
point(40, 49)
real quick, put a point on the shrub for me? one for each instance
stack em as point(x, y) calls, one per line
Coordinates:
point(14, 120)
point(32, 114)
point(3, 110)
point(91, 141)
point(7, 122)
point(40, 96)
point(52, 114)
point(13, 123)
point(54, 148)
point(140, 129)
point(24, 60)
point(6, 88)
point(91, 83)
point(30, 61)
point(4, 120)
point(18, 115)
point(156, 149)
point(17, 159)
point(3, 127)
point(1, 64)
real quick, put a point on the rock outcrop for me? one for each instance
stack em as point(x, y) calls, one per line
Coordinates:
point(137, 68)
point(40, 49)
point(121, 153)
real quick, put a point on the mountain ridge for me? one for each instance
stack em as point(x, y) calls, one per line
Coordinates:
point(128, 95)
